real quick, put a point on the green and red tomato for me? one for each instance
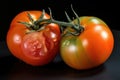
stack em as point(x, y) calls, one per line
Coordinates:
point(91, 48)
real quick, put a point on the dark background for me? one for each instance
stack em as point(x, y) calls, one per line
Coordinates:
point(106, 10)
point(13, 69)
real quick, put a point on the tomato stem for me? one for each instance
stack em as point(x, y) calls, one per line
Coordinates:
point(62, 24)
point(39, 24)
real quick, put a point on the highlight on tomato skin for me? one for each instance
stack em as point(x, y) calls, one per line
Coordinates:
point(91, 48)
point(31, 40)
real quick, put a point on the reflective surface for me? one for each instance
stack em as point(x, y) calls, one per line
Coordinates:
point(14, 69)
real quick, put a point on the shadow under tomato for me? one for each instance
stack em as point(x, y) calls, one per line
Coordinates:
point(12, 69)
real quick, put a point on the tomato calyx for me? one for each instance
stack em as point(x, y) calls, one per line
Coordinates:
point(34, 25)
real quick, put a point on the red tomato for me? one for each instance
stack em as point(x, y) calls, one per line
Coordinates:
point(90, 48)
point(33, 46)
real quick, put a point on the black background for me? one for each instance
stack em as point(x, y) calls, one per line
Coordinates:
point(12, 69)
point(106, 10)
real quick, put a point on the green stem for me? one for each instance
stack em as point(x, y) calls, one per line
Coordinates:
point(55, 21)
point(77, 27)
point(37, 25)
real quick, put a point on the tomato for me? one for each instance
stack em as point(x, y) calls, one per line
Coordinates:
point(91, 48)
point(35, 44)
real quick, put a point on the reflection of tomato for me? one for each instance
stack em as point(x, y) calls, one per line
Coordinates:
point(89, 49)
point(31, 45)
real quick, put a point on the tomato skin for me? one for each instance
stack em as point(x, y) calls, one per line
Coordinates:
point(89, 49)
point(17, 37)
